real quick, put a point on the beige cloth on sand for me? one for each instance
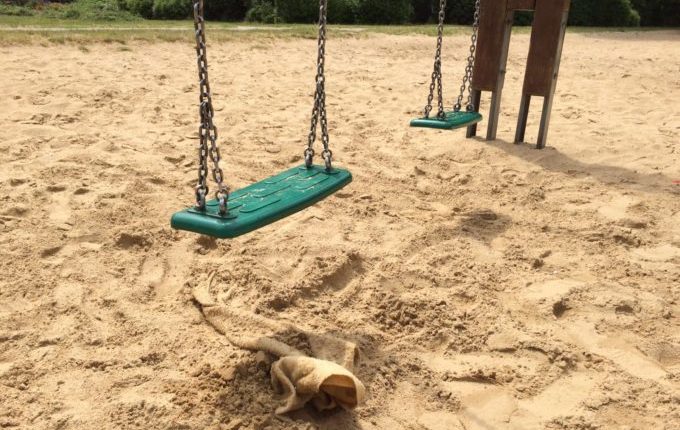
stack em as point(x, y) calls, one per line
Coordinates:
point(326, 379)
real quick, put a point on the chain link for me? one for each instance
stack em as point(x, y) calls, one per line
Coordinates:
point(207, 131)
point(319, 110)
point(469, 68)
point(437, 72)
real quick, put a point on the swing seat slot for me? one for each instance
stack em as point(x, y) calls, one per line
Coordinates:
point(452, 121)
point(264, 202)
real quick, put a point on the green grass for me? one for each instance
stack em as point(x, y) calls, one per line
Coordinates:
point(42, 29)
point(102, 10)
point(37, 29)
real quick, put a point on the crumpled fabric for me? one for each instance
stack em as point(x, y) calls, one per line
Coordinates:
point(325, 379)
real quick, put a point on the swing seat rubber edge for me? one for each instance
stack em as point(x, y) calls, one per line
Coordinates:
point(452, 121)
point(264, 202)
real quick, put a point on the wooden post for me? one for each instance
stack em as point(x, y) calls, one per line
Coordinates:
point(500, 78)
point(545, 52)
point(493, 42)
point(543, 63)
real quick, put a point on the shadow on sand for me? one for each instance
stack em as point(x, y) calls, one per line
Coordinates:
point(552, 160)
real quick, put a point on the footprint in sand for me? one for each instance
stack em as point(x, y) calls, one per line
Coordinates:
point(440, 421)
point(564, 397)
point(488, 406)
point(658, 254)
point(152, 272)
point(550, 296)
point(68, 294)
point(4, 367)
point(616, 349)
point(617, 208)
point(168, 276)
point(60, 212)
point(342, 274)
point(667, 354)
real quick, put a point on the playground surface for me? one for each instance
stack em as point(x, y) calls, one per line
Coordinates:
point(488, 285)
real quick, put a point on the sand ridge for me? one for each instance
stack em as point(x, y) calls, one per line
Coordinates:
point(488, 285)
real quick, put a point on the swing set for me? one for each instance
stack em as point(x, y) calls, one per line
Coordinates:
point(230, 215)
point(457, 118)
point(274, 198)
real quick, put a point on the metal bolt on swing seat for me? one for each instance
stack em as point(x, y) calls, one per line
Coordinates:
point(327, 158)
point(200, 197)
point(309, 157)
point(223, 198)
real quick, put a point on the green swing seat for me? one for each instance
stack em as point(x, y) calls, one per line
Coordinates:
point(264, 202)
point(452, 121)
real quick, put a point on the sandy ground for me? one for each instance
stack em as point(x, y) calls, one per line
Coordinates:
point(489, 286)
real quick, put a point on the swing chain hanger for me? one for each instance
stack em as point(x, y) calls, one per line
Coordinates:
point(319, 110)
point(207, 130)
point(469, 69)
point(437, 73)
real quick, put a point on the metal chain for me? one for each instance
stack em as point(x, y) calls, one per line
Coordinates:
point(437, 73)
point(319, 110)
point(469, 69)
point(207, 130)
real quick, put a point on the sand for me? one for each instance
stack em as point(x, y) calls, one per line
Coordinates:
point(488, 285)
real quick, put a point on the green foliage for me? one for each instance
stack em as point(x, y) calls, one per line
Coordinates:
point(15, 10)
point(384, 11)
point(423, 11)
point(615, 13)
point(670, 12)
point(341, 11)
point(96, 10)
point(172, 9)
point(524, 18)
point(582, 12)
point(143, 8)
point(225, 10)
point(262, 11)
point(658, 12)
point(460, 12)
point(300, 11)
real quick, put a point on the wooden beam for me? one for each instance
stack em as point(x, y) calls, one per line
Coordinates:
point(496, 96)
point(489, 44)
point(546, 39)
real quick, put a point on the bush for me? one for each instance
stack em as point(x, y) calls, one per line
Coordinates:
point(13, 10)
point(98, 10)
point(262, 11)
point(582, 13)
point(616, 13)
point(225, 10)
point(384, 11)
point(658, 12)
point(460, 12)
point(424, 10)
point(341, 11)
point(299, 11)
point(670, 12)
point(523, 18)
point(143, 8)
point(172, 9)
